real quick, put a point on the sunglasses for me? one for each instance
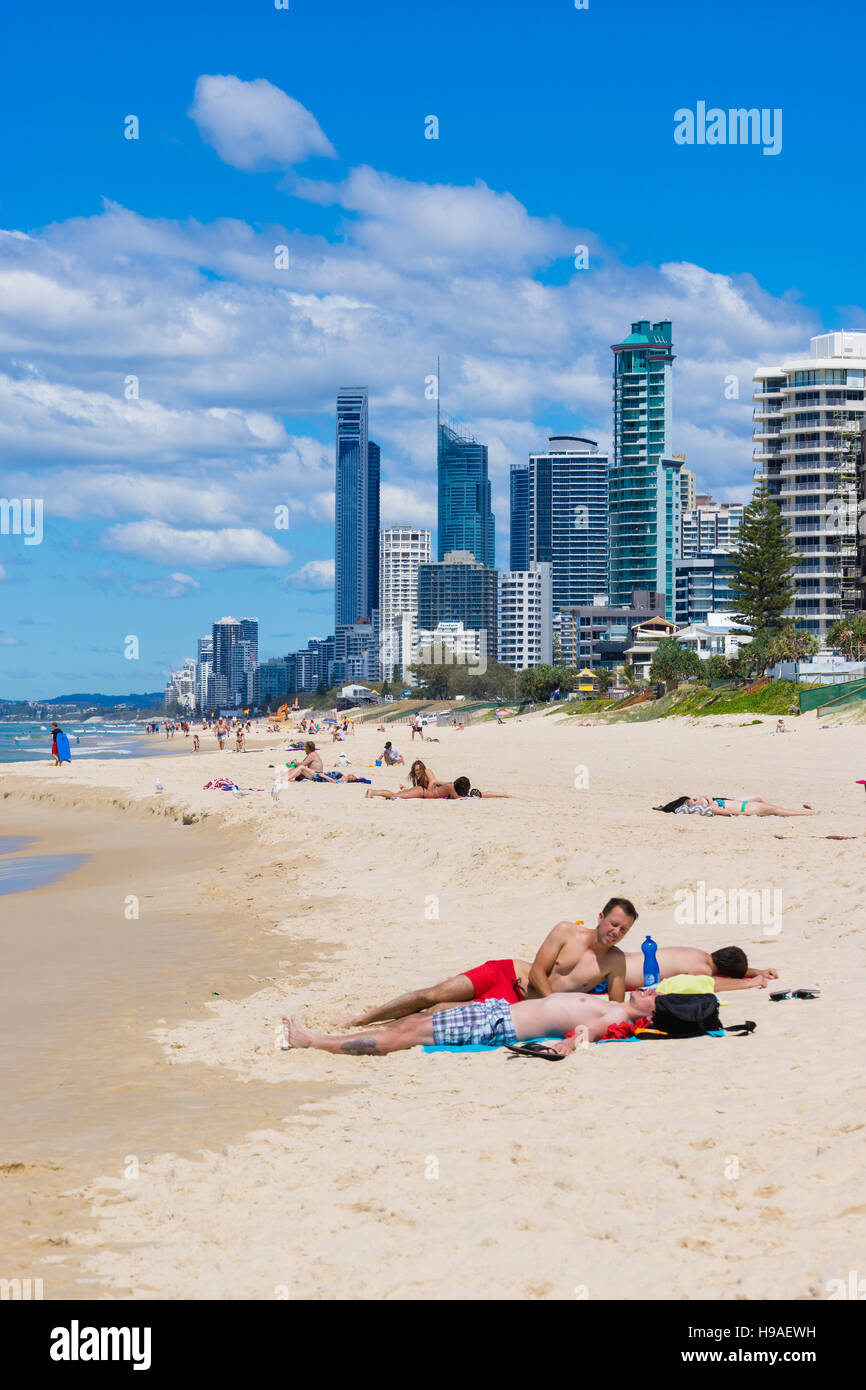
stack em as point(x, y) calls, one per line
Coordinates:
point(795, 994)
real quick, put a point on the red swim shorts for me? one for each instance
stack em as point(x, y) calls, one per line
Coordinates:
point(495, 980)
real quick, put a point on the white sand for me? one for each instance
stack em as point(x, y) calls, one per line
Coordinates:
point(689, 1169)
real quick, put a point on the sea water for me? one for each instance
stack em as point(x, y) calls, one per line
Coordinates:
point(31, 742)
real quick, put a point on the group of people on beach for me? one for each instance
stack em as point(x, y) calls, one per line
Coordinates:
point(574, 990)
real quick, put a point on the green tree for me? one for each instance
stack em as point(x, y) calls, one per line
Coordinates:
point(849, 636)
point(717, 668)
point(789, 644)
point(539, 682)
point(604, 677)
point(672, 662)
point(629, 674)
point(762, 586)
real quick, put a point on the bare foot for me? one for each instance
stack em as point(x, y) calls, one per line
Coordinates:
point(295, 1034)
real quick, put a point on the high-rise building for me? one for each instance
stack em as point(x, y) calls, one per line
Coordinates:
point(645, 483)
point(402, 549)
point(465, 516)
point(702, 585)
point(567, 520)
point(356, 521)
point(808, 414)
point(518, 555)
point(235, 645)
point(203, 669)
point(688, 485)
point(356, 652)
point(272, 681)
point(525, 617)
point(460, 589)
point(709, 525)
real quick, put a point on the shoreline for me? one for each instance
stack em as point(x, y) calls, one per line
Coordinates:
point(469, 1177)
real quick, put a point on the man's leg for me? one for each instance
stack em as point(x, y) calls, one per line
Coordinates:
point(457, 990)
point(410, 1032)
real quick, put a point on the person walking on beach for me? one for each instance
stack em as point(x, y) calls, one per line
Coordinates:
point(417, 727)
point(493, 1022)
point(221, 731)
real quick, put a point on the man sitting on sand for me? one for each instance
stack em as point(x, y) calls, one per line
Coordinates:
point(572, 958)
point(390, 755)
point(310, 768)
point(492, 1022)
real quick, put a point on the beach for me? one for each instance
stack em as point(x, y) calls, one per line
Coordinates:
point(161, 1145)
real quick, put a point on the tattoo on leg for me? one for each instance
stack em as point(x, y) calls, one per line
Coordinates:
point(359, 1047)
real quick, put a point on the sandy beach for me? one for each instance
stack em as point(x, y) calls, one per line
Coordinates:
point(160, 1144)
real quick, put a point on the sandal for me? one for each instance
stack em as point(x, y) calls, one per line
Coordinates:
point(535, 1049)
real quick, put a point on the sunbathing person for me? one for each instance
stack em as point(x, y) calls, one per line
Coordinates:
point(420, 776)
point(493, 1022)
point(729, 806)
point(572, 958)
point(457, 790)
point(729, 967)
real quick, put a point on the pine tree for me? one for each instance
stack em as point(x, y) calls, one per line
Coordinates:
point(762, 586)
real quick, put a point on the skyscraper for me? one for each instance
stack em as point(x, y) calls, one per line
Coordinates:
point(402, 549)
point(518, 556)
point(645, 485)
point(465, 517)
point(808, 413)
point(356, 521)
point(567, 517)
point(460, 590)
point(235, 645)
point(525, 617)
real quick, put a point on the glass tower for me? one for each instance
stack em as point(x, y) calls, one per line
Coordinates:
point(568, 518)
point(465, 515)
point(645, 484)
point(519, 549)
point(356, 522)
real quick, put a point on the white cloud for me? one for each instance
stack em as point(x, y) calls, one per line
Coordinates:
point(254, 125)
point(2, 573)
point(175, 586)
point(211, 550)
point(314, 575)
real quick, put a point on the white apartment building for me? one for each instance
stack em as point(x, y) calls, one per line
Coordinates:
point(401, 550)
point(709, 525)
point(526, 617)
point(807, 418)
point(450, 643)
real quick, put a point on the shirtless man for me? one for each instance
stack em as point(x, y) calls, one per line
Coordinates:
point(728, 966)
point(311, 765)
point(492, 1022)
point(571, 958)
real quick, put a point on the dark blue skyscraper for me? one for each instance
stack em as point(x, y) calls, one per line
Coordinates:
point(465, 515)
point(356, 521)
point(519, 553)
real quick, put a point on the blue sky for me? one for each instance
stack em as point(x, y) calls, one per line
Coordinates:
point(154, 258)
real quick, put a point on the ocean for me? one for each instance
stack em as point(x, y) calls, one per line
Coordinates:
point(31, 742)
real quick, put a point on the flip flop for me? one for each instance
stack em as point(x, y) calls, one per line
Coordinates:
point(535, 1049)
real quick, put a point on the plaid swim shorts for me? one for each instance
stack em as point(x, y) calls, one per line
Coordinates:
point(485, 1021)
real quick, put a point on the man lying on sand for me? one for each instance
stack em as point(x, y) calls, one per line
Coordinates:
point(493, 1022)
point(571, 958)
point(729, 967)
point(437, 791)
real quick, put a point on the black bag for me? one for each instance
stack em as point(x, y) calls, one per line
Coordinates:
point(690, 1016)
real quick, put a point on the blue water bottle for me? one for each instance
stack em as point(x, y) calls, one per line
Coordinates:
point(650, 964)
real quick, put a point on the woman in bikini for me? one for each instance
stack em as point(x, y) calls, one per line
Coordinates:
point(729, 806)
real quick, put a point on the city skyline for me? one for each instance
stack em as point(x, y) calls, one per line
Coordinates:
point(182, 305)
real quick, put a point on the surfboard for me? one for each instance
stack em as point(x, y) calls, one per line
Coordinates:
point(63, 752)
